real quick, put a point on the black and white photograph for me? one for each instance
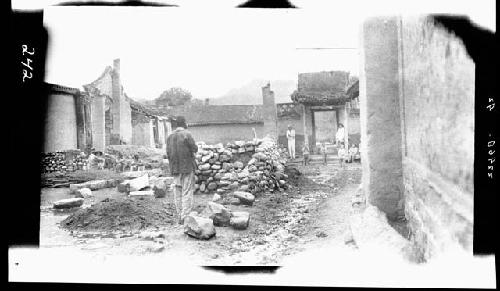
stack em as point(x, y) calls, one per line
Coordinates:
point(323, 145)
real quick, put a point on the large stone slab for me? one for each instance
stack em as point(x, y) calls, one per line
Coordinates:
point(142, 194)
point(245, 197)
point(68, 203)
point(92, 185)
point(83, 193)
point(199, 227)
point(219, 214)
point(240, 220)
point(138, 183)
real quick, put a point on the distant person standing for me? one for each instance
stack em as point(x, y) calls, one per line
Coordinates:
point(340, 136)
point(290, 135)
point(305, 153)
point(181, 149)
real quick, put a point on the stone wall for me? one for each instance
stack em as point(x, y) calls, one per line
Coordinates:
point(215, 133)
point(60, 123)
point(437, 102)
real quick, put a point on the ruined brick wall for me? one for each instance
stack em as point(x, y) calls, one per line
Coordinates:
point(269, 112)
point(224, 133)
point(437, 111)
point(60, 123)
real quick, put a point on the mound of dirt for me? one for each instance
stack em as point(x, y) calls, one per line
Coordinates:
point(123, 214)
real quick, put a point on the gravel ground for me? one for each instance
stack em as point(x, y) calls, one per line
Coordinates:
point(310, 215)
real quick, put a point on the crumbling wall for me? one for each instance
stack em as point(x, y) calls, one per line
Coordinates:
point(269, 112)
point(142, 130)
point(60, 123)
point(437, 102)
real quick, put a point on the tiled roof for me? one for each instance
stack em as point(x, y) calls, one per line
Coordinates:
point(60, 88)
point(216, 114)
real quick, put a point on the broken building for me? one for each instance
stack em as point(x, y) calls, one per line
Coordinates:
point(100, 115)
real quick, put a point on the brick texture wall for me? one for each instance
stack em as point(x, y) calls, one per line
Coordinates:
point(224, 133)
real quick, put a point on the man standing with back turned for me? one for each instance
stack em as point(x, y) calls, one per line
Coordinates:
point(181, 149)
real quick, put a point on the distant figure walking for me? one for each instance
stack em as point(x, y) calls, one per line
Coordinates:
point(181, 149)
point(340, 136)
point(290, 135)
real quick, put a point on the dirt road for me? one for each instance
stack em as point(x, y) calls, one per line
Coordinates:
point(309, 215)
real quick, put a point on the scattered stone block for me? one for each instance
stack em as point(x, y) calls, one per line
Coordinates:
point(245, 197)
point(143, 193)
point(84, 193)
point(212, 186)
point(123, 186)
point(138, 184)
point(216, 197)
point(199, 227)
point(68, 203)
point(240, 220)
point(234, 201)
point(219, 214)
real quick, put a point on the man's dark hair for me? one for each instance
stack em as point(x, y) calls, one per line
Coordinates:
point(180, 121)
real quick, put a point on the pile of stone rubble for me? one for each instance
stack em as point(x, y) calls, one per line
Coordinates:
point(253, 166)
point(65, 161)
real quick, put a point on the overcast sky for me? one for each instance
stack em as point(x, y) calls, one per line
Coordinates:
point(205, 52)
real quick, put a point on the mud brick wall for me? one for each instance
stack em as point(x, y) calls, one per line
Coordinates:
point(437, 110)
point(60, 123)
point(380, 116)
point(215, 133)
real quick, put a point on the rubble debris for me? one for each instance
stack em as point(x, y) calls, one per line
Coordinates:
point(83, 193)
point(123, 214)
point(219, 214)
point(123, 186)
point(216, 197)
point(160, 185)
point(244, 197)
point(254, 166)
point(64, 161)
point(240, 220)
point(199, 227)
point(68, 203)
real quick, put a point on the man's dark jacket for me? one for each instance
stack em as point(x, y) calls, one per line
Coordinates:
point(181, 148)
